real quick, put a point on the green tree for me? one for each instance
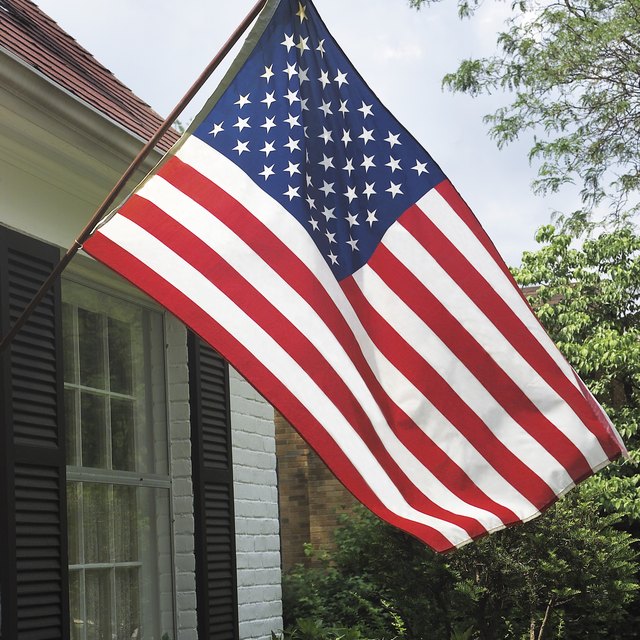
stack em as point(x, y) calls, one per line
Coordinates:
point(569, 574)
point(586, 292)
point(571, 69)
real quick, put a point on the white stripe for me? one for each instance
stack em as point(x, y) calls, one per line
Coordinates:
point(434, 278)
point(436, 208)
point(428, 345)
point(265, 280)
point(213, 302)
point(238, 185)
point(446, 436)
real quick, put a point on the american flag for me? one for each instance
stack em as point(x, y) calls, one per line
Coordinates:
point(303, 232)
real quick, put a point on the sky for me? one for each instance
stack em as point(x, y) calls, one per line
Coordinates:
point(158, 48)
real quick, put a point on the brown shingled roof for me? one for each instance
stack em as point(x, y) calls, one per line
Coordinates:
point(38, 40)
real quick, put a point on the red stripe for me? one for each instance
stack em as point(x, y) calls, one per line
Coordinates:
point(495, 308)
point(434, 387)
point(457, 203)
point(294, 342)
point(474, 357)
point(231, 349)
point(275, 253)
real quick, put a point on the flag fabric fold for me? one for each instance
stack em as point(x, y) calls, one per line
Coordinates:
point(304, 233)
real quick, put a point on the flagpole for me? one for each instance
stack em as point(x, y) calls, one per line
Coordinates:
point(133, 167)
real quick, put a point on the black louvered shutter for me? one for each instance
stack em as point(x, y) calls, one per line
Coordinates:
point(33, 534)
point(216, 583)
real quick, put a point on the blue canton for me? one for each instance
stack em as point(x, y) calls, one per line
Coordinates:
point(301, 122)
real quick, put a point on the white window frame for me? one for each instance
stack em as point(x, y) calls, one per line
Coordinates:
point(87, 273)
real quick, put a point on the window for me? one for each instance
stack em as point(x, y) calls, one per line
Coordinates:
point(119, 542)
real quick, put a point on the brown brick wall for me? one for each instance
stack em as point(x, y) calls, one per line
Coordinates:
point(311, 498)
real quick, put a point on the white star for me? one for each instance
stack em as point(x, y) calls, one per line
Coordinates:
point(367, 135)
point(343, 107)
point(292, 121)
point(328, 213)
point(288, 42)
point(268, 73)
point(393, 139)
point(303, 75)
point(309, 181)
point(333, 258)
point(327, 187)
point(326, 108)
point(331, 237)
point(290, 70)
point(241, 147)
point(394, 189)
point(268, 148)
point(352, 220)
point(314, 223)
point(293, 145)
point(368, 163)
point(371, 217)
point(366, 109)
point(267, 171)
point(292, 96)
point(243, 123)
point(368, 190)
point(341, 79)
point(302, 12)
point(351, 194)
point(302, 44)
point(326, 135)
point(353, 243)
point(292, 168)
point(303, 104)
point(393, 164)
point(217, 128)
point(421, 167)
point(292, 192)
point(324, 78)
point(320, 47)
point(269, 99)
point(311, 203)
point(349, 166)
point(346, 137)
point(327, 162)
point(269, 123)
point(242, 100)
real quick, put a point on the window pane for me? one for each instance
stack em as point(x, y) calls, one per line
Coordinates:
point(71, 426)
point(119, 348)
point(128, 604)
point(98, 604)
point(73, 517)
point(91, 344)
point(126, 524)
point(96, 525)
point(93, 420)
point(123, 449)
point(75, 612)
point(120, 357)
point(69, 340)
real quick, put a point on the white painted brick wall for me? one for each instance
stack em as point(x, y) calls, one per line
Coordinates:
point(256, 500)
point(182, 488)
point(256, 506)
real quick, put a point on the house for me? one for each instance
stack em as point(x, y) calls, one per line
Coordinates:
point(312, 499)
point(138, 476)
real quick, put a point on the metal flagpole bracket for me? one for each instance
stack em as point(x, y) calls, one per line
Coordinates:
point(133, 167)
